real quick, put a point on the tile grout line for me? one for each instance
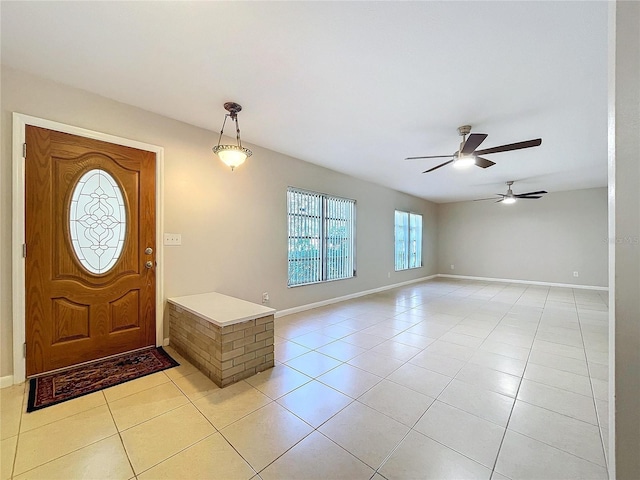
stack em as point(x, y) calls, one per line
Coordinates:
point(434, 401)
point(493, 469)
point(191, 402)
point(521, 377)
point(354, 400)
point(515, 398)
point(15, 454)
point(467, 362)
point(119, 434)
point(543, 442)
point(211, 423)
point(593, 393)
point(70, 452)
point(406, 361)
point(44, 425)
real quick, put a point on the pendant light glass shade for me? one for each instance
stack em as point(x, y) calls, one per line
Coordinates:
point(232, 155)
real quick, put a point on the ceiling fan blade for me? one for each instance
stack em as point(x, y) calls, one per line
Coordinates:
point(500, 200)
point(524, 198)
point(441, 165)
point(431, 156)
point(483, 162)
point(511, 146)
point(481, 199)
point(473, 141)
point(531, 193)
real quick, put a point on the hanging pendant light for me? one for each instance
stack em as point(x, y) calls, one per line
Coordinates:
point(232, 155)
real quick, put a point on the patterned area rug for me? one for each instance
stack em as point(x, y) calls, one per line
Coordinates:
point(77, 381)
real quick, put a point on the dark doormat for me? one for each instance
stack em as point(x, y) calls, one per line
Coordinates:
point(74, 382)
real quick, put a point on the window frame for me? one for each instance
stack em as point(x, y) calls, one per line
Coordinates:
point(323, 218)
point(407, 230)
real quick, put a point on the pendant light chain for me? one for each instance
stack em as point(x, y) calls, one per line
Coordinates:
point(235, 118)
point(221, 131)
point(238, 132)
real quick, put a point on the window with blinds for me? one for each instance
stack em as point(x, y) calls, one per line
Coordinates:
point(321, 237)
point(408, 240)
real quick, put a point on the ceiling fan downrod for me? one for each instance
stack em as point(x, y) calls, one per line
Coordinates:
point(463, 131)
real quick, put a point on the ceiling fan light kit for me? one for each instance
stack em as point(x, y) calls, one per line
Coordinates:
point(232, 155)
point(464, 161)
point(468, 155)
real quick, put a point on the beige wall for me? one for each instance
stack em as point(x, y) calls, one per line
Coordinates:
point(543, 240)
point(627, 241)
point(233, 225)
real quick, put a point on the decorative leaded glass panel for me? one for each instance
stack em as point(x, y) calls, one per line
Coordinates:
point(97, 221)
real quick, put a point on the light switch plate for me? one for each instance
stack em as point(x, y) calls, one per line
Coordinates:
point(173, 239)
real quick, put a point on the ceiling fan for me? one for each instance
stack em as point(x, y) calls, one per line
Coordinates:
point(510, 197)
point(467, 155)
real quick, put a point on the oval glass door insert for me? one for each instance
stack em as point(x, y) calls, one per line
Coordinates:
point(97, 221)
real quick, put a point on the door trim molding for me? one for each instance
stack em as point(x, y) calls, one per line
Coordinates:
point(20, 121)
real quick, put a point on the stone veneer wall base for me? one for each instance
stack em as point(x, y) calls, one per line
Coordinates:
point(224, 354)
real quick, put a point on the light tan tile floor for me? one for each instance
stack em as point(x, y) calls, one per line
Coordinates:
point(441, 379)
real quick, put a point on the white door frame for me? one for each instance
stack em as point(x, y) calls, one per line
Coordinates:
point(20, 121)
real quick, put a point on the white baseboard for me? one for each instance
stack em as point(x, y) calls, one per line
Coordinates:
point(526, 282)
point(309, 306)
point(6, 381)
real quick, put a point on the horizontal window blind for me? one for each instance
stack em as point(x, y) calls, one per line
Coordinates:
point(321, 237)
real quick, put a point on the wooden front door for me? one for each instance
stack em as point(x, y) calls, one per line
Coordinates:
point(90, 249)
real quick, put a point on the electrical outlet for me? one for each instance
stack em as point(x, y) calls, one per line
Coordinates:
point(265, 297)
point(388, 274)
point(575, 274)
point(173, 239)
point(453, 267)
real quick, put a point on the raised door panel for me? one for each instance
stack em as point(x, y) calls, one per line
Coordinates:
point(125, 312)
point(70, 321)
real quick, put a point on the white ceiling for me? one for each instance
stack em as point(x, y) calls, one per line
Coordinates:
point(352, 86)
